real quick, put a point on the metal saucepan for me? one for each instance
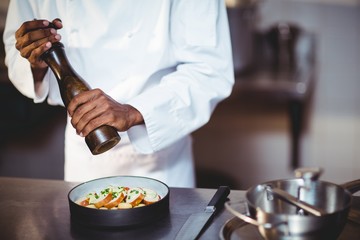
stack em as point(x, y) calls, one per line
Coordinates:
point(279, 219)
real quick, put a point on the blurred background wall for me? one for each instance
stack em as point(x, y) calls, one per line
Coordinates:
point(31, 135)
point(250, 141)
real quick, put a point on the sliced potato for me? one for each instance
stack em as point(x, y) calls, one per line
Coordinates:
point(115, 201)
point(91, 206)
point(150, 196)
point(134, 196)
point(102, 200)
point(124, 205)
point(84, 201)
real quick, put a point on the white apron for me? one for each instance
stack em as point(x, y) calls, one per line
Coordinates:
point(173, 165)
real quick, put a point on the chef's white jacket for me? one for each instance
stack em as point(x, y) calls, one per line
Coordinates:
point(170, 59)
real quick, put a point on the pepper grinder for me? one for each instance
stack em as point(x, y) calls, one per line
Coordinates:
point(70, 83)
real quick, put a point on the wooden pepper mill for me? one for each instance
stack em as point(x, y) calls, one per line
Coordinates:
point(70, 83)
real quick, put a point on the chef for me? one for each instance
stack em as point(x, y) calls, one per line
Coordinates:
point(157, 69)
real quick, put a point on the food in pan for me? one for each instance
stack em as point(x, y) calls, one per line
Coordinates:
point(115, 197)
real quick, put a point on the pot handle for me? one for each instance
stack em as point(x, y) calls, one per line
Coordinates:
point(353, 186)
point(245, 216)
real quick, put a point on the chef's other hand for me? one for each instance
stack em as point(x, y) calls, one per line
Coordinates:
point(91, 109)
point(35, 37)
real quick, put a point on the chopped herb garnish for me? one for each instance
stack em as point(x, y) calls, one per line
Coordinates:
point(115, 194)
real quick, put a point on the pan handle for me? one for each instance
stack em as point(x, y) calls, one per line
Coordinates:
point(353, 186)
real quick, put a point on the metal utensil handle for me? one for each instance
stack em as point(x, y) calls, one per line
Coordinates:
point(353, 186)
point(243, 215)
point(294, 201)
point(220, 196)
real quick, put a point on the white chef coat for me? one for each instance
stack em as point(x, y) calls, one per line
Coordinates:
point(170, 59)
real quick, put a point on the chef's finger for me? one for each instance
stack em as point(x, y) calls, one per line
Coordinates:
point(34, 57)
point(89, 105)
point(57, 23)
point(112, 113)
point(89, 122)
point(26, 51)
point(95, 122)
point(34, 36)
point(83, 114)
point(31, 26)
point(79, 100)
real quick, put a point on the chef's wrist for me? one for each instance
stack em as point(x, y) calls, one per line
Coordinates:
point(38, 74)
point(135, 117)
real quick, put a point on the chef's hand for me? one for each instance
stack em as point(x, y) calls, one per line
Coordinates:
point(91, 109)
point(34, 38)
